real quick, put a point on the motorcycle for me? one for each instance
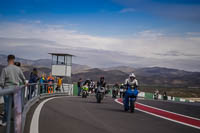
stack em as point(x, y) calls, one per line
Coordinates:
point(84, 94)
point(100, 94)
point(114, 93)
point(165, 96)
point(155, 96)
point(130, 98)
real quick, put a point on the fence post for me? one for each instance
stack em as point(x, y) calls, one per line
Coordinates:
point(9, 113)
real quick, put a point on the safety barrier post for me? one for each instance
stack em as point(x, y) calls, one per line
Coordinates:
point(9, 113)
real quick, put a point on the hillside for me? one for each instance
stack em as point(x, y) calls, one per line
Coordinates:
point(27, 70)
point(112, 76)
point(38, 63)
point(157, 76)
point(125, 69)
point(76, 68)
point(152, 76)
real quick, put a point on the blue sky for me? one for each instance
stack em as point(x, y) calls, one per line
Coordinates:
point(106, 17)
point(163, 30)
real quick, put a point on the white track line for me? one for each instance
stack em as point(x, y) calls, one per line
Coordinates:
point(169, 112)
point(34, 128)
point(116, 100)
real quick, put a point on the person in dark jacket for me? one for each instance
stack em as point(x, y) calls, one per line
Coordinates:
point(101, 83)
point(79, 86)
point(115, 90)
point(42, 81)
point(32, 82)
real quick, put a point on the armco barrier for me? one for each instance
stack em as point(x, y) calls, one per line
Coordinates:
point(147, 95)
point(24, 98)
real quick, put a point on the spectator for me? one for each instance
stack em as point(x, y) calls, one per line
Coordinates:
point(59, 84)
point(18, 64)
point(79, 86)
point(50, 80)
point(45, 83)
point(42, 84)
point(11, 77)
point(32, 81)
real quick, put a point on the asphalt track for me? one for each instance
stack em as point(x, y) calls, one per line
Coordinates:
point(77, 115)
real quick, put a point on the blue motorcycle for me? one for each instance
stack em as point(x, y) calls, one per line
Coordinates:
point(130, 98)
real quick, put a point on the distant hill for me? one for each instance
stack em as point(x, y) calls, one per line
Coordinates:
point(112, 76)
point(125, 69)
point(28, 69)
point(152, 76)
point(167, 77)
point(76, 68)
point(38, 63)
point(155, 76)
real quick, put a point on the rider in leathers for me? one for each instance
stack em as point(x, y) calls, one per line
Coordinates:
point(132, 83)
point(101, 83)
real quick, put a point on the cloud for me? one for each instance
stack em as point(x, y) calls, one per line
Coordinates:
point(145, 48)
point(177, 53)
point(125, 10)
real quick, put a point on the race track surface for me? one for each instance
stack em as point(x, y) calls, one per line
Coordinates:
point(77, 115)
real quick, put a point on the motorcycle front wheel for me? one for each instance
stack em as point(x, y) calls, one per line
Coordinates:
point(132, 106)
point(98, 98)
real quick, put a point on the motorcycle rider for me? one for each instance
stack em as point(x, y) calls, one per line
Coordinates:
point(101, 82)
point(115, 90)
point(85, 89)
point(165, 96)
point(121, 90)
point(92, 86)
point(131, 90)
point(132, 81)
point(156, 93)
point(100, 91)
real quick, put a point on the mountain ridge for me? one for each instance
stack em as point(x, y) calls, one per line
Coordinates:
point(150, 76)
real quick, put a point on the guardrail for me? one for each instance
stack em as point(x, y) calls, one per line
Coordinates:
point(21, 98)
point(147, 95)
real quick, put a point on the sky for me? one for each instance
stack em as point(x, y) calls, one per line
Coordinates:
point(104, 33)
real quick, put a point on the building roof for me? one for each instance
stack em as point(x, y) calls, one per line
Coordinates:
point(60, 54)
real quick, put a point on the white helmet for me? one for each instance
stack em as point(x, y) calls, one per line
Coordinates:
point(132, 75)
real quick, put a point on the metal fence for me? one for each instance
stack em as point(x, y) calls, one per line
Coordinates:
point(20, 99)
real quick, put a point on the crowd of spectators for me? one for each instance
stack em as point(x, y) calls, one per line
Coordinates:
point(12, 77)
